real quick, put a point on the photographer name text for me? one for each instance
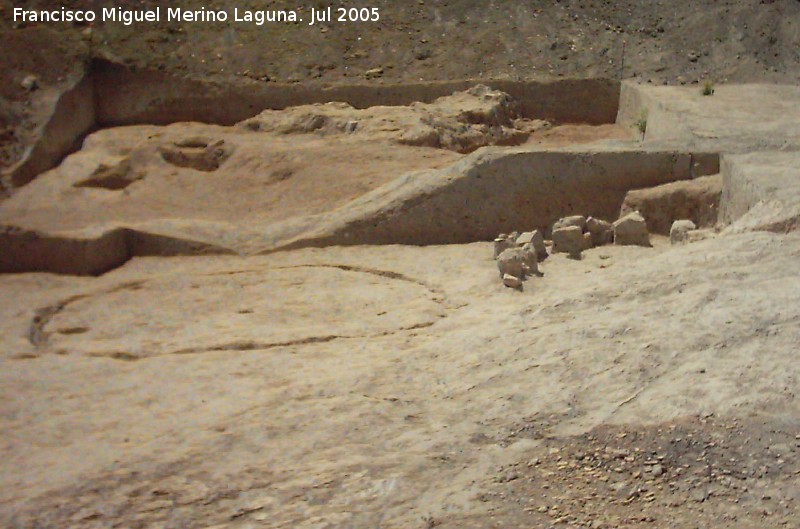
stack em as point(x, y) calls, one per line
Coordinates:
point(311, 16)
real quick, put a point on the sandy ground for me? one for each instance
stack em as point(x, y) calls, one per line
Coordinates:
point(401, 387)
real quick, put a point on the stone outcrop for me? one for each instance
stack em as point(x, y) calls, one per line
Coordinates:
point(461, 122)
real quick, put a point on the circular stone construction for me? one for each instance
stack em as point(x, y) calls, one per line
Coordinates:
point(240, 310)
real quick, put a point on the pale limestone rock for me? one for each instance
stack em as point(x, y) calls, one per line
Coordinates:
point(568, 240)
point(525, 238)
point(536, 239)
point(679, 232)
point(601, 231)
point(587, 241)
point(374, 73)
point(631, 230)
point(510, 262)
point(30, 83)
point(530, 262)
point(511, 281)
point(502, 244)
point(574, 220)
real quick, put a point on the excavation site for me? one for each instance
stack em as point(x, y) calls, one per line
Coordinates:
point(435, 280)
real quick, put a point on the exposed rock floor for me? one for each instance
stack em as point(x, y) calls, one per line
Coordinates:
point(402, 386)
point(268, 178)
point(357, 422)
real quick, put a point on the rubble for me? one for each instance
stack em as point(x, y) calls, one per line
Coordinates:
point(518, 255)
point(525, 238)
point(700, 235)
point(697, 200)
point(374, 73)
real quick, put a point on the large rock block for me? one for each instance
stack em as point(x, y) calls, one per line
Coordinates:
point(574, 220)
point(587, 241)
point(501, 244)
point(601, 231)
point(536, 239)
point(530, 262)
point(568, 240)
point(631, 230)
point(510, 262)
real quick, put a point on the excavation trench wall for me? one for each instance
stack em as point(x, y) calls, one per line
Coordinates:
point(491, 191)
point(109, 94)
point(495, 191)
point(125, 97)
point(28, 251)
point(761, 191)
point(71, 117)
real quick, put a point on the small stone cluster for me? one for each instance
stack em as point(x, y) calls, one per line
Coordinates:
point(518, 255)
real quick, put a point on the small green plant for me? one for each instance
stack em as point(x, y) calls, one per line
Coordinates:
point(641, 123)
point(708, 88)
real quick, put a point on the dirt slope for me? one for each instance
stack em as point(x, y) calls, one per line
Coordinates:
point(447, 39)
point(742, 40)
